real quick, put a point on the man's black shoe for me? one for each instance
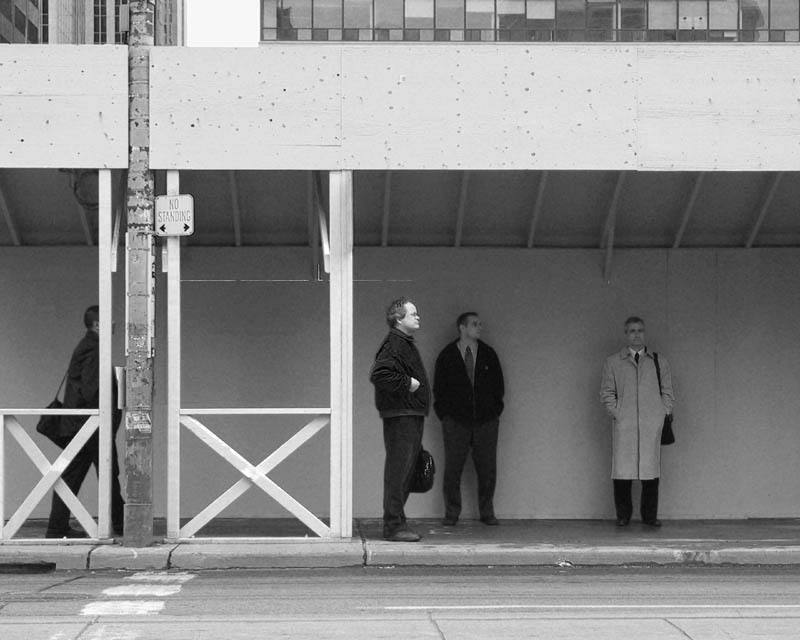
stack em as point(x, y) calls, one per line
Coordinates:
point(652, 523)
point(623, 522)
point(66, 533)
point(404, 534)
point(490, 520)
point(449, 522)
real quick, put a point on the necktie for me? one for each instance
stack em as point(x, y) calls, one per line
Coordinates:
point(470, 364)
point(636, 357)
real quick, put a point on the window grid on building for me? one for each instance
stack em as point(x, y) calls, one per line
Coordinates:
point(100, 15)
point(45, 21)
point(533, 20)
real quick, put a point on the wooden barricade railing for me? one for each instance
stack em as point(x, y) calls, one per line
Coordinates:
point(252, 475)
point(51, 472)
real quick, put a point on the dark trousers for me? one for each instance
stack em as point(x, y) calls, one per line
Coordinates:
point(73, 476)
point(648, 507)
point(459, 438)
point(402, 438)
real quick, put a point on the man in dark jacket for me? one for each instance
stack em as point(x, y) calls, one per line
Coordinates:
point(83, 392)
point(402, 397)
point(468, 393)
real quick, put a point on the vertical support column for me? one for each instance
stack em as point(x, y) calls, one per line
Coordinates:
point(104, 213)
point(341, 320)
point(2, 476)
point(173, 373)
point(139, 321)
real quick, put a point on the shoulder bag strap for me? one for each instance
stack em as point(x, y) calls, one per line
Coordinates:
point(62, 382)
point(658, 371)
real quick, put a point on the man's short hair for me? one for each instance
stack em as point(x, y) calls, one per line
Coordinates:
point(396, 311)
point(633, 320)
point(464, 318)
point(91, 315)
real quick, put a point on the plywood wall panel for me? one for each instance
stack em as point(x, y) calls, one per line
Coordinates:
point(485, 106)
point(488, 107)
point(246, 108)
point(63, 106)
point(719, 108)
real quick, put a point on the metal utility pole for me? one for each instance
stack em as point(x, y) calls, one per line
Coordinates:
point(140, 302)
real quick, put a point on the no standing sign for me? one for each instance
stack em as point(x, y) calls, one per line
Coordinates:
point(174, 215)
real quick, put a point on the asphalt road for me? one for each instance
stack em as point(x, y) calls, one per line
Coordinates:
point(397, 603)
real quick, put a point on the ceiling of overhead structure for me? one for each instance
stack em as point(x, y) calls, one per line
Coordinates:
point(565, 209)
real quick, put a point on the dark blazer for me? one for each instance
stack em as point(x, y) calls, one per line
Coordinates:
point(454, 396)
point(396, 362)
point(82, 390)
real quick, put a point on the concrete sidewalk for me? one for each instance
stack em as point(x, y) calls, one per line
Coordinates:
point(235, 543)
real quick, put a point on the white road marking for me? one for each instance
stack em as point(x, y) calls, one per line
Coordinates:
point(584, 607)
point(159, 576)
point(134, 590)
point(146, 584)
point(110, 632)
point(123, 608)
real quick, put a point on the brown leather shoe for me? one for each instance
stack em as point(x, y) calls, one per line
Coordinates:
point(490, 520)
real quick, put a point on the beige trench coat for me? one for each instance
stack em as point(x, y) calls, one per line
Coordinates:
point(630, 395)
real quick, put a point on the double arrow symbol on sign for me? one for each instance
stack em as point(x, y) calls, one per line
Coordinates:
point(163, 227)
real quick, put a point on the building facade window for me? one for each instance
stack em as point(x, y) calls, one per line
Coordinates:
point(45, 21)
point(532, 20)
point(121, 21)
point(99, 21)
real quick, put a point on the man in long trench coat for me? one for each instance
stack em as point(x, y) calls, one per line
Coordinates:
point(630, 394)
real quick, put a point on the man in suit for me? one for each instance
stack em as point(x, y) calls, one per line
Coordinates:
point(468, 391)
point(82, 391)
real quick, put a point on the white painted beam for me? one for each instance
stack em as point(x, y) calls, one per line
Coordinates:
point(610, 226)
point(323, 224)
point(387, 204)
point(105, 297)
point(536, 213)
point(173, 372)
point(688, 209)
point(3, 419)
point(462, 208)
point(12, 228)
point(341, 353)
point(87, 231)
point(611, 214)
point(313, 226)
point(235, 209)
point(769, 194)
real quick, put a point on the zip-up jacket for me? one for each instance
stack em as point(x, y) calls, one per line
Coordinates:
point(396, 362)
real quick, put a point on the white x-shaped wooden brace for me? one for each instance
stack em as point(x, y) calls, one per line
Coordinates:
point(51, 477)
point(254, 475)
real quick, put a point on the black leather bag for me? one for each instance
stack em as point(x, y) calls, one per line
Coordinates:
point(424, 470)
point(667, 434)
point(50, 425)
